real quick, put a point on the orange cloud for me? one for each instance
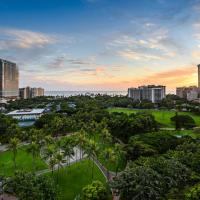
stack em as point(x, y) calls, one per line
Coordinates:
point(173, 78)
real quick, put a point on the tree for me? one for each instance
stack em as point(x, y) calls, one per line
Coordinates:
point(13, 146)
point(120, 154)
point(106, 136)
point(52, 163)
point(49, 151)
point(188, 154)
point(36, 136)
point(173, 172)
point(81, 141)
point(193, 193)
point(183, 121)
point(34, 149)
point(109, 156)
point(91, 150)
point(138, 183)
point(124, 126)
point(59, 157)
point(8, 128)
point(135, 149)
point(68, 152)
point(94, 191)
point(30, 187)
point(160, 142)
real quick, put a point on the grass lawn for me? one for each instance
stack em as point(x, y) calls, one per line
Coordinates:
point(190, 133)
point(72, 179)
point(161, 116)
point(23, 162)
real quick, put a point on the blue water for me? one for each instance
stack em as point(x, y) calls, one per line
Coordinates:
point(91, 93)
point(25, 123)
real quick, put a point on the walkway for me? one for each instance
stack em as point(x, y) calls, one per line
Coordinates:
point(5, 146)
point(109, 175)
point(7, 197)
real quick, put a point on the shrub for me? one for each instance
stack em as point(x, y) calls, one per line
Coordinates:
point(94, 191)
point(193, 193)
point(196, 130)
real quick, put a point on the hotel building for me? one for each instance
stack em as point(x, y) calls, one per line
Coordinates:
point(28, 92)
point(152, 93)
point(9, 80)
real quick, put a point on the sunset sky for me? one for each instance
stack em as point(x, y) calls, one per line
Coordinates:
point(101, 44)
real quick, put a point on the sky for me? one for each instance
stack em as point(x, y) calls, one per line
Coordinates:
point(101, 44)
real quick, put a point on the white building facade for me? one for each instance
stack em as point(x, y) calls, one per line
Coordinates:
point(27, 114)
point(152, 93)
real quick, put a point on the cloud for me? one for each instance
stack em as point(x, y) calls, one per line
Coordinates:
point(172, 78)
point(196, 54)
point(149, 45)
point(183, 76)
point(150, 42)
point(24, 39)
point(131, 55)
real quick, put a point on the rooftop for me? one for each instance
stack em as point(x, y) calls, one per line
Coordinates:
point(26, 112)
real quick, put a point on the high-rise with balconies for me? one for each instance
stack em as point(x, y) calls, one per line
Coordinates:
point(152, 93)
point(9, 80)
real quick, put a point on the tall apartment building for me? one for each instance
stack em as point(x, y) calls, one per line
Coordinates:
point(152, 93)
point(28, 92)
point(190, 93)
point(198, 76)
point(9, 80)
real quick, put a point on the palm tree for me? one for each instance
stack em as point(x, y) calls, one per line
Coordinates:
point(91, 128)
point(34, 149)
point(13, 145)
point(106, 136)
point(119, 152)
point(48, 152)
point(52, 163)
point(92, 150)
point(59, 157)
point(68, 152)
point(48, 140)
point(81, 140)
point(109, 156)
point(57, 125)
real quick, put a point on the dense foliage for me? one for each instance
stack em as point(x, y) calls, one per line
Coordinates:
point(175, 170)
point(8, 128)
point(151, 178)
point(124, 126)
point(152, 143)
point(27, 186)
point(183, 121)
point(95, 191)
point(161, 164)
point(193, 193)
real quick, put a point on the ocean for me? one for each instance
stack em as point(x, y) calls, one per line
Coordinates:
point(91, 93)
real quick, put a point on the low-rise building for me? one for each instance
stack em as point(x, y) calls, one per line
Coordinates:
point(26, 114)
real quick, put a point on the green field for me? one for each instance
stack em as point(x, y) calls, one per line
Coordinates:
point(72, 179)
point(161, 116)
point(23, 162)
point(190, 133)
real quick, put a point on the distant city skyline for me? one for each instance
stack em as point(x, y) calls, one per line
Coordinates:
point(101, 44)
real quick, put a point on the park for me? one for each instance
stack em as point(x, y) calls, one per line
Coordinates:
point(68, 150)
